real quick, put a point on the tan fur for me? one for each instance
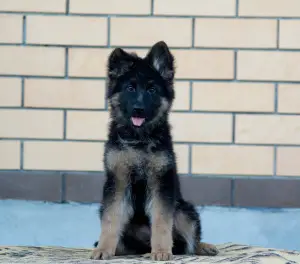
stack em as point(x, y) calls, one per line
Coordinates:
point(186, 228)
point(164, 107)
point(205, 249)
point(117, 214)
point(113, 221)
point(120, 161)
point(161, 231)
point(156, 163)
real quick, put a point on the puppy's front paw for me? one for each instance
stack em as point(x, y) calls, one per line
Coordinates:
point(99, 253)
point(162, 255)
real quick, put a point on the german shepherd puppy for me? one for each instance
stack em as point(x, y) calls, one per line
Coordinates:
point(142, 208)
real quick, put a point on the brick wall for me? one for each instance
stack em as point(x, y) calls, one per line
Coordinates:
point(237, 112)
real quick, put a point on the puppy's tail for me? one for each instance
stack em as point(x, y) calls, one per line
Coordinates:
point(205, 249)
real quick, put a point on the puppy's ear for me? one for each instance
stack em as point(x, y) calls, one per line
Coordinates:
point(119, 62)
point(161, 59)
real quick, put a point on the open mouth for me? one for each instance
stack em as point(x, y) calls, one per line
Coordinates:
point(137, 121)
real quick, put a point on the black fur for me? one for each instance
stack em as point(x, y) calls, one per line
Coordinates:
point(143, 88)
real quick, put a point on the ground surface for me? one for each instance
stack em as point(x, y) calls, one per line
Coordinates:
point(73, 225)
point(229, 253)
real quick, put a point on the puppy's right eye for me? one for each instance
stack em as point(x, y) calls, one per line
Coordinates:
point(130, 88)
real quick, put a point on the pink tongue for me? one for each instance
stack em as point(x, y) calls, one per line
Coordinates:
point(137, 121)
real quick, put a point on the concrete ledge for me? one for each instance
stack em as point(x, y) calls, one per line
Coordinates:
point(87, 188)
point(229, 253)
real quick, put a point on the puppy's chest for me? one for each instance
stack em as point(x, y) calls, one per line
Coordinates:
point(141, 163)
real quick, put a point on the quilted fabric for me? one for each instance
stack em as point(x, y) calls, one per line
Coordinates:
point(229, 253)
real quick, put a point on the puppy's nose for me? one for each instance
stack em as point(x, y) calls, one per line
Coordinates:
point(138, 110)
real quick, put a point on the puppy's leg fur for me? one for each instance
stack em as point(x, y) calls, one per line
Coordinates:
point(161, 210)
point(187, 225)
point(205, 249)
point(161, 231)
point(114, 216)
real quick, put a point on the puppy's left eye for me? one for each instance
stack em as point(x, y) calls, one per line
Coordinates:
point(151, 90)
point(130, 88)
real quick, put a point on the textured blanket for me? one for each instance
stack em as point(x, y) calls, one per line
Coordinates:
point(229, 253)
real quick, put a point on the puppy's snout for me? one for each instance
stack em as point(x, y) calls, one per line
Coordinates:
point(138, 111)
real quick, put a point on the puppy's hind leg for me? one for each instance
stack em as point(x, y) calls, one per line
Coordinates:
point(205, 249)
point(188, 228)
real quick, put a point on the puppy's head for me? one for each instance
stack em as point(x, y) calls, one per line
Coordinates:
point(140, 90)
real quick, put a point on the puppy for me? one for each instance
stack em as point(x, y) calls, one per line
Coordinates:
point(143, 210)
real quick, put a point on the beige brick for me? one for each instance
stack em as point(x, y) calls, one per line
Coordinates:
point(238, 160)
point(288, 161)
point(111, 7)
point(289, 98)
point(182, 157)
point(195, 7)
point(235, 97)
point(9, 155)
point(67, 30)
point(269, 8)
point(31, 123)
point(289, 37)
point(267, 129)
point(79, 156)
point(204, 64)
point(55, 6)
point(268, 66)
point(182, 96)
point(54, 93)
point(32, 60)
point(192, 127)
point(88, 62)
point(87, 125)
point(91, 62)
point(10, 92)
point(147, 31)
point(240, 33)
point(11, 27)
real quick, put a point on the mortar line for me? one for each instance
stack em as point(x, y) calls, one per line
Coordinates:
point(235, 64)
point(108, 31)
point(237, 8)
point(24, 30)
point(103, 140)
point(101, 78)
point(138, 48)
point(196, 175)
point(103, 109)
point(278, 34)
point(67, 7)
point(191, 97)
point(233, 128)
point(66, 63)
point(152, 7)
point(65, 125)
point(22, 92)
point(193, 32)
point(276, 98)
point(149, 15)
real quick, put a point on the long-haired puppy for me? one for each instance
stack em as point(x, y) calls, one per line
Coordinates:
point(143, 210)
